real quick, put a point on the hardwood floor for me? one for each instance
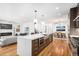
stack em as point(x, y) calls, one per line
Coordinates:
point(56, 48)
point(9, 50)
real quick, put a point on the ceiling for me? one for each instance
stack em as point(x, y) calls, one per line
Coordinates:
point(24, 12)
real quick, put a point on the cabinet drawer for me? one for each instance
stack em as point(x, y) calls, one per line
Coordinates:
point(34, 49)
point(41, 48)
point(47, 41)
point(35, 45)
point(35, 41)
point(35, 53)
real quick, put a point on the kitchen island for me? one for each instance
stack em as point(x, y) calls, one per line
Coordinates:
point(32, 45)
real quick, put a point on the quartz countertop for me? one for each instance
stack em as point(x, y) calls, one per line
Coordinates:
point(32, 37)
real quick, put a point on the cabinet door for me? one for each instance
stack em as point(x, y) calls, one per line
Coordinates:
point(51, 37)
point(77, 24)
point(73, 14)
point(47, 41)
point(35, 47)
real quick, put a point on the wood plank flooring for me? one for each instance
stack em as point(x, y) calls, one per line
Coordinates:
point(9, 50)
point(56, 48)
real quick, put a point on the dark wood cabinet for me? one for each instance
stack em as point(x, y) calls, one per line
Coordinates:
point(47, 41)
point(39, 44)
point(73, 14)
point(35, 47)
point(51, 37)
point(77, 24)
point(78, 9)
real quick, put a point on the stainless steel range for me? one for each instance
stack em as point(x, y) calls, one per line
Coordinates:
point(75, 43)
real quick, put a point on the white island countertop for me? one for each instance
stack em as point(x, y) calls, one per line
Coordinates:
point(32, 37)
point(24, 44)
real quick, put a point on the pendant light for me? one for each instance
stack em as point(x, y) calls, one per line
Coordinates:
point(35, 22)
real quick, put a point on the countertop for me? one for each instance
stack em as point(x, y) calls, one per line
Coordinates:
point(74, 35)
point(31, 37)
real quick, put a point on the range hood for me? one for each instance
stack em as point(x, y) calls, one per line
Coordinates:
point(77, 17)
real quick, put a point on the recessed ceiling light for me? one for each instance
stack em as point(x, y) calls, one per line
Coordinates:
point(57, 8)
